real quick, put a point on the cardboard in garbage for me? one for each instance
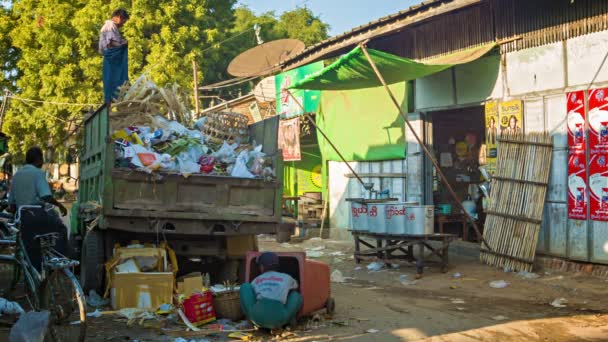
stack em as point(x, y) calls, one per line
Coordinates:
point(144, 290)
point(190, 283)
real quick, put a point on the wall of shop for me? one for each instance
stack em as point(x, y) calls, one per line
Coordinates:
point(404, 179)
point(541, 77)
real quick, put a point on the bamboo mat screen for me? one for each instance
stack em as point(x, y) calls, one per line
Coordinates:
point(517, 200)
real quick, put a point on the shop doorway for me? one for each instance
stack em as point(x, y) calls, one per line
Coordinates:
point(457, 138)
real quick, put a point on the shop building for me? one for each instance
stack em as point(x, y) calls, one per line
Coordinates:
point(544, 49)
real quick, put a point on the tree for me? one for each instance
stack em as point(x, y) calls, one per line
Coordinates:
point(8, 54)
point(59, 62)
point(300, 24)
point(49, 49)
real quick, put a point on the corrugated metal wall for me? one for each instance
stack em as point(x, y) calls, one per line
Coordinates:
point(519, 24)
point(541, 76)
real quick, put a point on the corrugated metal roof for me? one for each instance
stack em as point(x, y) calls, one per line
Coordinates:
point(379, 27)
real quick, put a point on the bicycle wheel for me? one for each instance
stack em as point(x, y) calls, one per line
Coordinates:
point(62, 295)
point(22, 283)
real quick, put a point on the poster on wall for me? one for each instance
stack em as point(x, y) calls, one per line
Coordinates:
point(287, 107)
point(598, 186)
point(598, 153)
point(289, 139)
point(511, 117)
point(577, 187)
point(491, 114)
point(310, 180)
point(577, 159)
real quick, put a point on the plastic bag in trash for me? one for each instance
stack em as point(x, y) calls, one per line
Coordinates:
point(375, 266)
point(10, 308)
point(240, 167)
point(167, 163)
point(131, 152)
point(31, 327)
point(226, 153)
point(95, 300)
point(187, 167)
point(200, 123)
point(257, 168)
point(498, 284)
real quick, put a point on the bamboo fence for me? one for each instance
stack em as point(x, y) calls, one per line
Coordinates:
point(517, 201)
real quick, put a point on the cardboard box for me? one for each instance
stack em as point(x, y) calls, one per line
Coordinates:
point(190, 283)
point(141, 290)
point(160, 254)
point(239, 245)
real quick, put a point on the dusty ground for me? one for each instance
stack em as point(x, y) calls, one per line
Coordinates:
point(438, 307)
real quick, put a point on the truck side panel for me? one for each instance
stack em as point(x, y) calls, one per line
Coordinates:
point(138, 197)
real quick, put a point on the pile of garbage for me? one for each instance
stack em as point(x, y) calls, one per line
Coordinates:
point(169, 147)
point(152, 131)
point(143, 288)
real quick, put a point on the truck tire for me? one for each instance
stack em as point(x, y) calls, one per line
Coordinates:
point(92, 262)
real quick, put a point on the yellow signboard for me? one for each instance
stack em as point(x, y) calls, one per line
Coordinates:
point(511, 115)
point(491, 114)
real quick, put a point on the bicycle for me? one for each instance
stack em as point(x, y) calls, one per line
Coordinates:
point(55, 288)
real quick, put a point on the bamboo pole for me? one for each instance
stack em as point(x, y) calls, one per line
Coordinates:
point(522, 164)
point(424, 148)
point(195, 74)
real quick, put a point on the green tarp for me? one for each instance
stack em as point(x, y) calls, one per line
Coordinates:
point(353, 71)
point(363, 124)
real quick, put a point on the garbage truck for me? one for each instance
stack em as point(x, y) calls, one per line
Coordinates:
point(209, 221)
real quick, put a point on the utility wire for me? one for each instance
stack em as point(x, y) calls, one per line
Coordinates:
point(55, 103)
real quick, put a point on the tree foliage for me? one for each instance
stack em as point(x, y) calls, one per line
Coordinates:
point(50, 47)
point(300, 23)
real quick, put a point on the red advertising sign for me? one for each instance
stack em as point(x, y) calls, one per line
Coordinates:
point(598, 186)
point(598, 120)
point(576, 120)
point(577, 187)
point(598, 154)
point(577, 161)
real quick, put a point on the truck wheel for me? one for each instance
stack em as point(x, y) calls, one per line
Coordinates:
point(92, 262)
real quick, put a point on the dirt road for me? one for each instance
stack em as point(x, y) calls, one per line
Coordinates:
point(390, 305)
point(441, 307)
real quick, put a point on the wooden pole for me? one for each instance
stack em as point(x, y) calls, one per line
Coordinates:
point(323, 216)
point(196, 103)
point(312, 122)
point(3, 108)
point(424, 148)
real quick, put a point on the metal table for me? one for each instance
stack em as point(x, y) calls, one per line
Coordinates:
point(396, 249)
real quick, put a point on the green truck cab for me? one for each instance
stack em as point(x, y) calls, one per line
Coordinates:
point(194, 215)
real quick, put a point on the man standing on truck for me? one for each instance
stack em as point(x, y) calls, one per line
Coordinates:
point(113, 47)
point(30, 187)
